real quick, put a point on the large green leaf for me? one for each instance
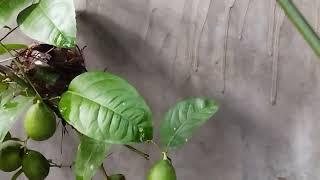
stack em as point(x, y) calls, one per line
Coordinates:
point(90, 156)
point(8, 8)
point(50, 21)
point(181, 120)
point(11, 47)
point(10, 113)
point(107, 108)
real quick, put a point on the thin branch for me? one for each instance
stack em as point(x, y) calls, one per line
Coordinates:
point(301, 24)
point(14, 77)
point(144, 155)
point(8, 33)
point(18, 64)
point(8, 59)
point(104, 172)
point(17, 174)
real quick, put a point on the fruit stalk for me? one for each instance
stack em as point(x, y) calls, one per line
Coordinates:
point(301, 24)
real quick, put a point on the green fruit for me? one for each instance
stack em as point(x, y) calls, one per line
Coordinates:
point(10, 156)
point(162, 170)
point(35, 166)
point(40, 122)
point(8, 137)
point(117, 177)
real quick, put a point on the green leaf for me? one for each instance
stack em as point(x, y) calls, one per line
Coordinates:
point(11, 47)
point(107, 108)
point(50, 21)
point(10, 113)
point(8, 9)
point(181, 120)
point(90, 156)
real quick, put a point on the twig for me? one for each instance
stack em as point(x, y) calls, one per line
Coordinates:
point(18, 64)
point(104, 172)
point(14, 77)
point(301, 24)
point(17, 174)
point(8, 33)
point(144, 155)
point(53, 164)
point(8, 59)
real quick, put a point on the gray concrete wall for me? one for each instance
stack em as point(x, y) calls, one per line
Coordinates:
point(248, 57)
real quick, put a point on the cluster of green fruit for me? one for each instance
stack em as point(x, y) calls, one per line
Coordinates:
point(39, 125)
point(12, 156)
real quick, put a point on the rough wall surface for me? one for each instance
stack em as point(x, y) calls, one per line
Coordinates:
point(244, 53)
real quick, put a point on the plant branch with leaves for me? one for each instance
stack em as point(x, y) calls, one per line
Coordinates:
point(48, 81)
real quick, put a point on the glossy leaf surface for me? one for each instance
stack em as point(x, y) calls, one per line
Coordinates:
point(107, 108)
point(50, 21)
point(182, 119)
point(90, 156)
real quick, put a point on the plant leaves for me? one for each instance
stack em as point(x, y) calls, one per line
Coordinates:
point(90, 156)
point(11, 47)
point(8, 9)
point(10, 113)
point(107, 108)
point(182, 119)
point(50, 21)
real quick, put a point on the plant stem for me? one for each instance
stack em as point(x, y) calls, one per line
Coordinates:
point(144, 155)
point(13, 76)
point(8, 33)
point(18, 64)
point(301, 24)
point(104, 172)
point(17, 174)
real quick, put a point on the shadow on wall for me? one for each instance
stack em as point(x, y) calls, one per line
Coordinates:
point(126, 53)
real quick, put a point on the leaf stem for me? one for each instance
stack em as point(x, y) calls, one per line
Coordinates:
point(301, 24)
point(17, 174)
point(8, 33)
point(144, 155)
point(104, 172)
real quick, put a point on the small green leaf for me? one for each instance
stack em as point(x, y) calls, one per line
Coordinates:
point(50, 21)
point(181, 120)
point(90, 156)
point(10, 113)
point(107, 108)
point(11, 47)
point(8, 8)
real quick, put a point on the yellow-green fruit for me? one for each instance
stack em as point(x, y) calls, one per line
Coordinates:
point(35, 166)
point(117, 177)
point(10, 156)
point(39, 122)
point(162, 170)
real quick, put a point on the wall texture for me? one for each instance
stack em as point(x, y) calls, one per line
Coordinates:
point(244, 53)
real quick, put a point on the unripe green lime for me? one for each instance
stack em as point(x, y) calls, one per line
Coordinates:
point(7, 137)
point(40, 122)
point(10, 156)
point(117, 177)
point(162, 170)
point(35, 166)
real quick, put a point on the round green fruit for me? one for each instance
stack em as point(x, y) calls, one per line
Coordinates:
point(10, 156)
point(117, 177)
point(7, 137)
point(40, 122)
point(162, 170)
point(35, 166)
